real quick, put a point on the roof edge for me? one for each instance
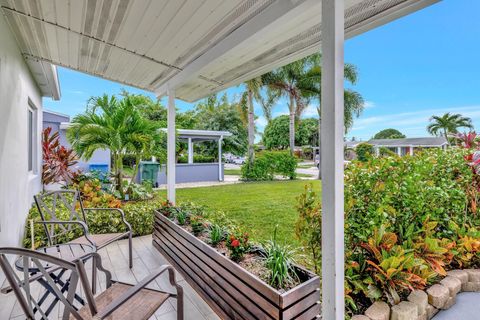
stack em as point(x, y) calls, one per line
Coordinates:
point(46, 77)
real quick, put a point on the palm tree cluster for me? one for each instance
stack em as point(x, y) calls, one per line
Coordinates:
point(448, 124)
point(117, 125)
point(300, 84)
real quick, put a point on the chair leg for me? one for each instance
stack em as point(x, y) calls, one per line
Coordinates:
point(130, 258)
point(94, 275)
point(179, 302)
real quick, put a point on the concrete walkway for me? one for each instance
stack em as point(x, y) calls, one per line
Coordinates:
point(467, 307)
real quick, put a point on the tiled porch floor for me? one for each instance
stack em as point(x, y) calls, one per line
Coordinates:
point(145, 259)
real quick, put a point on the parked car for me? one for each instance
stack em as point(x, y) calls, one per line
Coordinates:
point(239, 160)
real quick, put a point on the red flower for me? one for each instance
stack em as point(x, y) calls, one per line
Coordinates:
point(235, 243)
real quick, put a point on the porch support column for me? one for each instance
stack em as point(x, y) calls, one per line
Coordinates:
point(399, 151)
point(171, 146)
point(333, 305)
point(190, 151)
point(220, 175)
point(411, 150)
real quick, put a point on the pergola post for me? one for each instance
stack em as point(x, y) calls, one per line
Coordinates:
point(171, 146)
point(190, 151)
point(220, 176)
point(333, 305)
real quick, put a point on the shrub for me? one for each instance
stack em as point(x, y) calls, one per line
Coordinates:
point(197, 158)
point(57, 160)
point(364, 151)
point(391, 268)
point(385, 152)
point(308, 227)
point(139, 214)
point(238, 245)
point(280, 261)
point(267, 164)
point(93, 196)
point(408, 220)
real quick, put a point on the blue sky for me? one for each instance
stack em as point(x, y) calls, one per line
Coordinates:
point(423, 64)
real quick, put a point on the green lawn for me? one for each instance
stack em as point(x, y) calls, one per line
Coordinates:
point(256, 206)
point(232, 172)
point(305, 166)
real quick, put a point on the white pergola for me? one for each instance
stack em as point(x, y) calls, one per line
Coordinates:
point(188, 49)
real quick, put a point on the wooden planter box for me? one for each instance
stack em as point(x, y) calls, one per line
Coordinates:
point(231, 291)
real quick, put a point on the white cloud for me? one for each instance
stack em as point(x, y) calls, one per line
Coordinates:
point(369, 104)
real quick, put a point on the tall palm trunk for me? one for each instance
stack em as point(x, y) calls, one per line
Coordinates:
point(446, 135)
point(118, 163)
point(251, 128)
point(292, 124)
point(136, 167)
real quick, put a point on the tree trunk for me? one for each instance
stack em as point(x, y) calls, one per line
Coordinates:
point(135, 170)
point(446, 136)
point(251, 128)
point(118, 173)
point(291, 107)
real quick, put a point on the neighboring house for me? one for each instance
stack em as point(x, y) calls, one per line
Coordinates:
point(23, 83)
point(60, 123)
point(408, 145)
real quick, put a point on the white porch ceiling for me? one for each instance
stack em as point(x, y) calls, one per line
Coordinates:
point(196, 46)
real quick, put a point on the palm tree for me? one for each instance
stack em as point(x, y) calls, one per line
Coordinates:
point(353, 101)
point(116, 125)
point(288, 81)
point(448, 124)
point(252, 92)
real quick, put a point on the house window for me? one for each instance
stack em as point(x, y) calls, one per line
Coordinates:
point(32, 138)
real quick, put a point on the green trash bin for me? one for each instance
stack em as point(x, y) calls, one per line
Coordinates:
point(149, 172)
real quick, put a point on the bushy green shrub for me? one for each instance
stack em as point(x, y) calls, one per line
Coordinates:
point(267, 164)
point(403, 191)
point(385, 152)
point(364, 151)
point(308, 227)
point(139, 214)
point(407, 221)
point(197, 158)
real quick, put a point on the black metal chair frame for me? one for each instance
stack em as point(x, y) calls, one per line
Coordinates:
point(75, 219)
point(77, 277)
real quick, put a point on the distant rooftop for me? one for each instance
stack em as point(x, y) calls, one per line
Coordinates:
point(415, 142)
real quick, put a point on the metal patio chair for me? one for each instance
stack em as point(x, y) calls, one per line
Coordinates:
point(48, 204)
point(119, 301)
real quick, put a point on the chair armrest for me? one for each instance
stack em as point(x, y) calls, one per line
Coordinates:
point(125, 222)
point(80, 223)
point(141, 285)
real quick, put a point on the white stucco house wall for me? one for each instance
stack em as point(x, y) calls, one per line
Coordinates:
point(23, 84)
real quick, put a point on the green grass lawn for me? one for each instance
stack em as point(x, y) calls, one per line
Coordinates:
point(232, 172)
point(256, 206)
point(305, 166)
